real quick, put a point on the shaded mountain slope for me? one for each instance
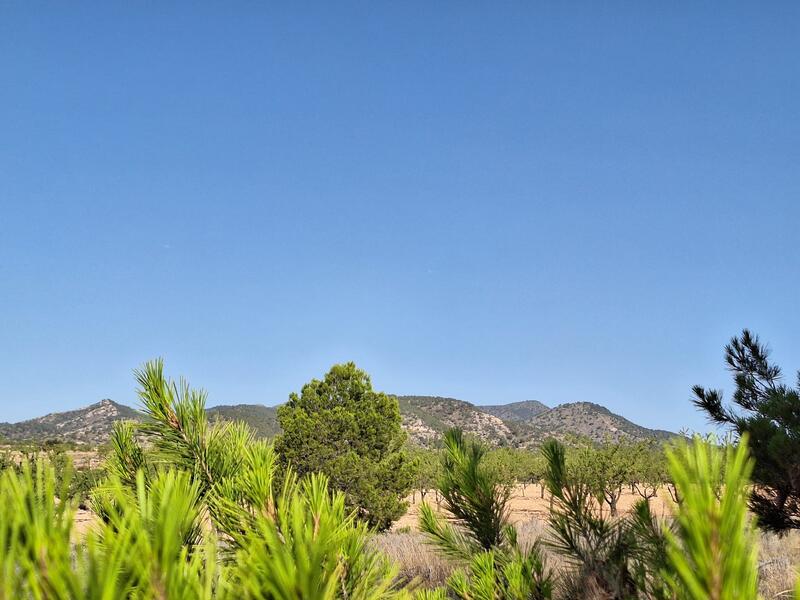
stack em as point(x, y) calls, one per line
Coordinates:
point(263, 419)
point(516, 411)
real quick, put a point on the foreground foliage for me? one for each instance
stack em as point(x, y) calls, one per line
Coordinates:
point(709, 552)
point(279, 535)
point(198, 510)
point(714, 550)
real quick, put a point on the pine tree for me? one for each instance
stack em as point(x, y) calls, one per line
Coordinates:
point(713, 554)
point(770, 415)
point(480, 538)
point(340, 426)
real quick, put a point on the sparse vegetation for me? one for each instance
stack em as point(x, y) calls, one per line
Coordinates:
point(424, 418)
point(199, 508)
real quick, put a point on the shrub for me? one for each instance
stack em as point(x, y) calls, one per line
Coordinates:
point(482, 540)
point(714, 552)
point(341, 427)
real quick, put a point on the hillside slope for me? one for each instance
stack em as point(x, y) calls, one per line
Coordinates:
point(584, 419)
point(425, 418)
point(93, 424)
point(90, 425)
point(263, 419)
point(516, 411)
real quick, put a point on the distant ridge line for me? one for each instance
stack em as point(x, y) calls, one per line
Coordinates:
point(425, 418)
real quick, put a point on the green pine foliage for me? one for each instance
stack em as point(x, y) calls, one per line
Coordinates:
point(310, 546)
point(480, 538)
point(768, 413)
point(148, 546)
point(279, 535)
point(495, 575)
point(714, 552)
point(340, 426)
point(601, 552)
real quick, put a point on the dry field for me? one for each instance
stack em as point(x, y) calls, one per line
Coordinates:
point(81, 459)
point(527, 505)
point(779, 557)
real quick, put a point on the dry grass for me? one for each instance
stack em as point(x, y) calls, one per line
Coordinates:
point(779, 556)
point(779, 559)
point(420, 562)
point(416, 559)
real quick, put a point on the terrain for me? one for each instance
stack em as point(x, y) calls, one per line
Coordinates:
point(263, 419)
point(90, 425)
point(425, 418)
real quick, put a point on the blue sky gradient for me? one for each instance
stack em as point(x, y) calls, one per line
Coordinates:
point(534, 201)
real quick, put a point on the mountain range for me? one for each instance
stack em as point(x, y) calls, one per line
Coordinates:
point(425, 418)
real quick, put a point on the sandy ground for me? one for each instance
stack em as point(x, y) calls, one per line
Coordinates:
point(528, 505)
point(84, 519)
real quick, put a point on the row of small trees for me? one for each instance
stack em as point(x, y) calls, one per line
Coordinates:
point(607, 468)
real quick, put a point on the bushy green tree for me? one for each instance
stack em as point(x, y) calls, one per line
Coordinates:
point(502, 462)
point(604, 468)
point(515, 466)
point(770, 415)
point(529, 468)
point(340, 426)
point(648, 468)
point(427, 467)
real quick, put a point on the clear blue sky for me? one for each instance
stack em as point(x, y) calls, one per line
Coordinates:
point(496, 203)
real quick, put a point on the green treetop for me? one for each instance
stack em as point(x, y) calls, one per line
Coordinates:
point(340, 426)
point(769, 412)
